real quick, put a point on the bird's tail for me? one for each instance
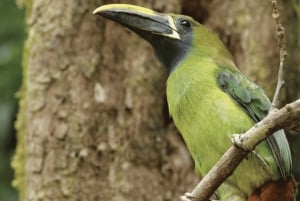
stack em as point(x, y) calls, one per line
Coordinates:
point(276, 191)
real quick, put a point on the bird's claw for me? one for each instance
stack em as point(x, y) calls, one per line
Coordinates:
point(187, 197)
point(239, 141)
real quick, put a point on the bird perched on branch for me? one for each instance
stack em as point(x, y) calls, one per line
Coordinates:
point(209, 99)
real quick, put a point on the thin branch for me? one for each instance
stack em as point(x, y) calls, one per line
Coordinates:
point(286, 117)
point(283, 53)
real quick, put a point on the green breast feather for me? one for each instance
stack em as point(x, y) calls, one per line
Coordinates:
point(205, 103)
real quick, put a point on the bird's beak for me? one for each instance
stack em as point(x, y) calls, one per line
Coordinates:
point(145, 22)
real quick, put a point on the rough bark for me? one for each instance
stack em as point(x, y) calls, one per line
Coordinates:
point(91, 125)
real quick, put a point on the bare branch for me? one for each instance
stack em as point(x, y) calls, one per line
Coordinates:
point(283, 53)
point(286, 117)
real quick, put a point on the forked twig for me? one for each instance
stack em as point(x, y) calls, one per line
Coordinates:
point(283, 54)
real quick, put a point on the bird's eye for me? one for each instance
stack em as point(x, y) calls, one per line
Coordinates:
point(186, 23)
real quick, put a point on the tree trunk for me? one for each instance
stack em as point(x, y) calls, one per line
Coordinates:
point(93, 123)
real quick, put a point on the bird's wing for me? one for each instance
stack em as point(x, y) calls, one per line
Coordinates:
point(256, 104)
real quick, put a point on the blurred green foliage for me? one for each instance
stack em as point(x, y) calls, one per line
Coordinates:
point(11, 45)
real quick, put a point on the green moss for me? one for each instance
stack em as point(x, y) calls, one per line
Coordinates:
point(18, 162)
point(19, 159)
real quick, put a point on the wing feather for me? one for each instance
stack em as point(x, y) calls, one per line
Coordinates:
point(256, 104)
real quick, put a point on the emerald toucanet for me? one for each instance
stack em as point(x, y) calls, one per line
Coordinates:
point(209, 99)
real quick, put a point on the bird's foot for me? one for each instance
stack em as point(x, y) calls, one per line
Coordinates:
point(239, 140)
point(187, 197)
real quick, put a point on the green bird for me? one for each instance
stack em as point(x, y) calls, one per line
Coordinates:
point(209, 99)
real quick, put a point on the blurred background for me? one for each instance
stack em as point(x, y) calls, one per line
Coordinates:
point(11, 41)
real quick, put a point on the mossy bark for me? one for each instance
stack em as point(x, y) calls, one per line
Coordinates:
point(91, 124)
